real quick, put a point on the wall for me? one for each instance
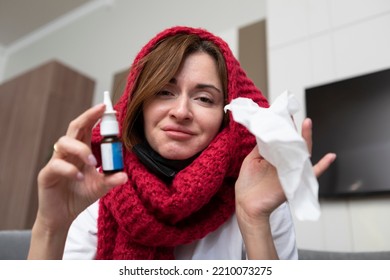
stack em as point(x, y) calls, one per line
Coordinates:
point(309, 42)
point(2, 61)
point(313, 42)
point(105, 40)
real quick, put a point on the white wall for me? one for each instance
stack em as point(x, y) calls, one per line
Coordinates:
point(105, 40)
point(318, 41)
point(309, 42)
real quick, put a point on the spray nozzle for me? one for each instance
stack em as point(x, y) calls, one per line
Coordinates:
point(109, 124)
point(107, 102)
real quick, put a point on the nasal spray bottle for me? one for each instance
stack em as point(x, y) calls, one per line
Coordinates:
point(111, 146)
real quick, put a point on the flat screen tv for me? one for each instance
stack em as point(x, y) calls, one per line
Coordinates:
point(351, 117)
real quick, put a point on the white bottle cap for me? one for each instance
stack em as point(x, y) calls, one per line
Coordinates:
point(109, 124)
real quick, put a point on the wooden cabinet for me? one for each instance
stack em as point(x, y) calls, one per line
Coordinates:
point(35, 110)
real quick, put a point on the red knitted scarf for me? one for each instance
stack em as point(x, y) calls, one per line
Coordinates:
point(146, 218)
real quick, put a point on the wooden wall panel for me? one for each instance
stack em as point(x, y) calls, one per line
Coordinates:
point(35, 110)
point(252, 53)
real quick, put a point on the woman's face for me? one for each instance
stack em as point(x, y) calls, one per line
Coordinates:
point(184, 117)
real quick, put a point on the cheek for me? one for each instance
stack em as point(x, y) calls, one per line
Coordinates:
point(150, 115)
point(212, 125)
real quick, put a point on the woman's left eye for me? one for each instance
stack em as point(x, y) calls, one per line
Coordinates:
point(205, 99)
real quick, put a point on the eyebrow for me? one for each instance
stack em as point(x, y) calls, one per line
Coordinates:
point(198, 86)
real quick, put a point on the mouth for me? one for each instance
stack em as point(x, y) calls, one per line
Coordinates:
point(178, 133)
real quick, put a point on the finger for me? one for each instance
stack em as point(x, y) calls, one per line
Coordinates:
point(70, 148)
point(58, 168)
point(115, 179)
point(254, 154)
point(307, 126)
point(324, 163)
point(83, 124)
point(111, 181)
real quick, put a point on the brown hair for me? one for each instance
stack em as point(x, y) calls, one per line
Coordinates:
point(157, 69)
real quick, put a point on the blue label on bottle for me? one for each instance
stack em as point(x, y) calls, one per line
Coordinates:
point(117, 157)
point(112, 158)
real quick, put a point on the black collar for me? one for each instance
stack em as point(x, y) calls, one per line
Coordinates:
point(164, 168)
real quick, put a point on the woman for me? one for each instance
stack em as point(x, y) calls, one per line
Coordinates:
point(194, 185)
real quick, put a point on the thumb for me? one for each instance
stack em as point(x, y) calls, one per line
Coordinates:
point(254, 154)
point(114, 180)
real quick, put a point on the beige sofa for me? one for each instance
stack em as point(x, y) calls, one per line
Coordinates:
point(329, 255)
point(14, 245)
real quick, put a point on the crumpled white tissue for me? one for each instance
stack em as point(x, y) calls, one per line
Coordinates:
point(281, 145)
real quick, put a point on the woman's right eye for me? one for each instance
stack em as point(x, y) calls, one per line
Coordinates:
point(164, 93)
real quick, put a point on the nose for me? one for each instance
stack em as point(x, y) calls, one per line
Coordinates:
point(181, 109)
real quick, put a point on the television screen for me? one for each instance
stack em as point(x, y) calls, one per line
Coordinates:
point(352, 118)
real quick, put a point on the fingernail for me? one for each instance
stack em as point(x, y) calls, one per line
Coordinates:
point(309, 121)
point(92, 160)
point(80, 176)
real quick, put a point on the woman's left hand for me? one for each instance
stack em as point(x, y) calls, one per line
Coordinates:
point(259, 193)
point(258, 189)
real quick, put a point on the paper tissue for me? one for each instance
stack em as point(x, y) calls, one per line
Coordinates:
point(281, 145)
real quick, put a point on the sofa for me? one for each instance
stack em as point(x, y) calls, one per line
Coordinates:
point(331, 255)
point(14, 245)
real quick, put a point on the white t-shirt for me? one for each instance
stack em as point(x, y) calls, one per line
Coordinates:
point(223, 244)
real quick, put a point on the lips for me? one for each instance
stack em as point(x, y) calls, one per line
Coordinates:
point(177, 132)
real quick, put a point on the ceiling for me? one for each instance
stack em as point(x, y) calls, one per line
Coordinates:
point(19, 18)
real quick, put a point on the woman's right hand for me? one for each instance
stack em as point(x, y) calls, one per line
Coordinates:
point(70, 182)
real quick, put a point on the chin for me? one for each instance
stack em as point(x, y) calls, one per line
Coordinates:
point(174, 154)
point(177, 156)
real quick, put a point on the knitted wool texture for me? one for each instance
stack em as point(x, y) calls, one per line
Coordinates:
point(145, 218)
